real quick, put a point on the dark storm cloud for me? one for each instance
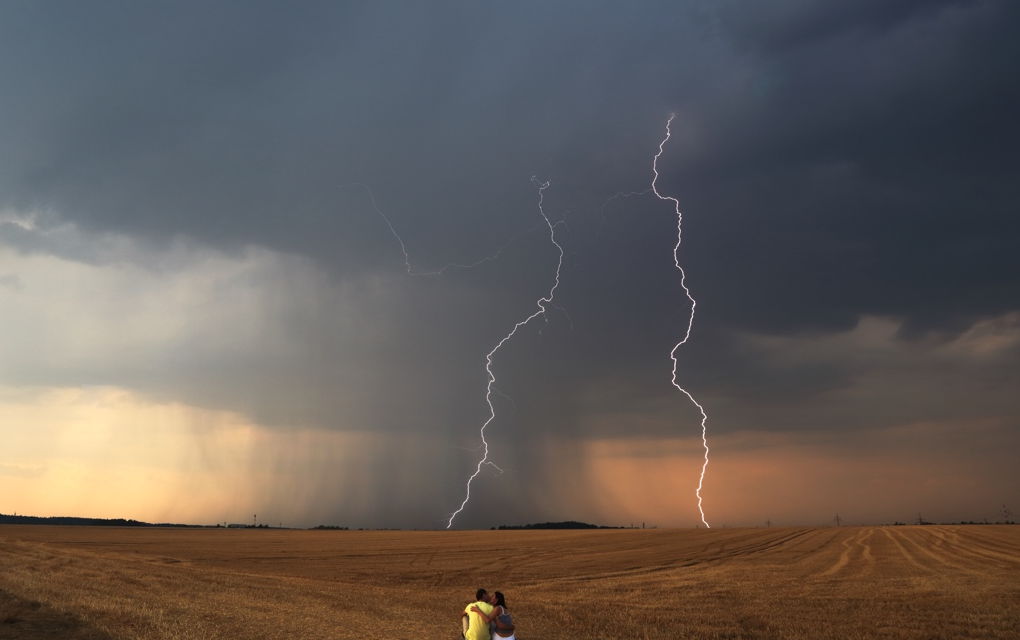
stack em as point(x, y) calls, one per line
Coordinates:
point(833, 160)
point(882, 163)
point(877, 135)
point(869, 140)
point(787, 24)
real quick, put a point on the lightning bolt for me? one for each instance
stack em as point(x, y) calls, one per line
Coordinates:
point(542, 302)
point(602, 211)
point(490, 388)
point(411, 269)
point(690, 322)
point(407, 256)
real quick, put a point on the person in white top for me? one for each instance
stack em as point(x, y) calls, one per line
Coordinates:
point(501, 625)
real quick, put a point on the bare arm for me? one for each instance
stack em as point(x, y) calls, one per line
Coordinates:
point(488, 618)
point(503, 627)
point(494, 617)
point(499, 623)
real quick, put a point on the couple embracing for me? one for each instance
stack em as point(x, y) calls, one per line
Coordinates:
point(487, 618)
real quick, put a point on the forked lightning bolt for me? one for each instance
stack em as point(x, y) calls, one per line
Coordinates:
point(411, 270)
point(690, 322)
point(407, 256)
point(542, 302)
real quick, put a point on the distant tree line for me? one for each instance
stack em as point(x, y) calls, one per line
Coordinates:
point(331, 528)
point(984, 522)
point(557, 525)
point(85, 522)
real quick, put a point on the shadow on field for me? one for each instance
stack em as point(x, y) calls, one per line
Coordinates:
point(22, 619)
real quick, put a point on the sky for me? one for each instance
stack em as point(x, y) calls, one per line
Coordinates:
point(254, 257)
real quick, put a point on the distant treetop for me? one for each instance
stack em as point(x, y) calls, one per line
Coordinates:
point(558, 525)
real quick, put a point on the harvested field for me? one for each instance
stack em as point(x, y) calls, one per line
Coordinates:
point(851, 582)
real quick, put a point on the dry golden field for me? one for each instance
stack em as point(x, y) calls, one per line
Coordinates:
point(850, 582)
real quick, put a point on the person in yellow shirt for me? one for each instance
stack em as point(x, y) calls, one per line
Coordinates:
point(501, 625)
point(477, 628)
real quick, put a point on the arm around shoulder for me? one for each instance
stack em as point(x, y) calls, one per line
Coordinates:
point(502, 626)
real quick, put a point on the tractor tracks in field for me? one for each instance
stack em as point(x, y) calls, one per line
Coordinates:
point(769, 545)
point(906, 555)
point(858, 541)
point(935, 550)
point(430, 552)
point(714, 553)
point(978, 547)
point(974, 556)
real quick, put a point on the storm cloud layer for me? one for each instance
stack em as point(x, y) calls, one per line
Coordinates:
point(205, 209)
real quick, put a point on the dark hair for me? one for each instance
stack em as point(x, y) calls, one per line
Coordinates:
point(480, 594)
point(499, 599)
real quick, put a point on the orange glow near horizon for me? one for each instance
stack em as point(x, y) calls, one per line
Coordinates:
point(104, 452)
point(761, 477)
point(108, 453)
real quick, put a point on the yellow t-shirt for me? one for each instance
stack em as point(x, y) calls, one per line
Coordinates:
point(479, 628)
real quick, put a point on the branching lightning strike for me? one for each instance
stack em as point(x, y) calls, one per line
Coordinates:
point(602, 211)
point(548, 300)
point(690, 323)
point(407, 256)
point(542, 302)
point(403, 247)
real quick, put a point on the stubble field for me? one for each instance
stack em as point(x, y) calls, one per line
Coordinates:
point(101, 583)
